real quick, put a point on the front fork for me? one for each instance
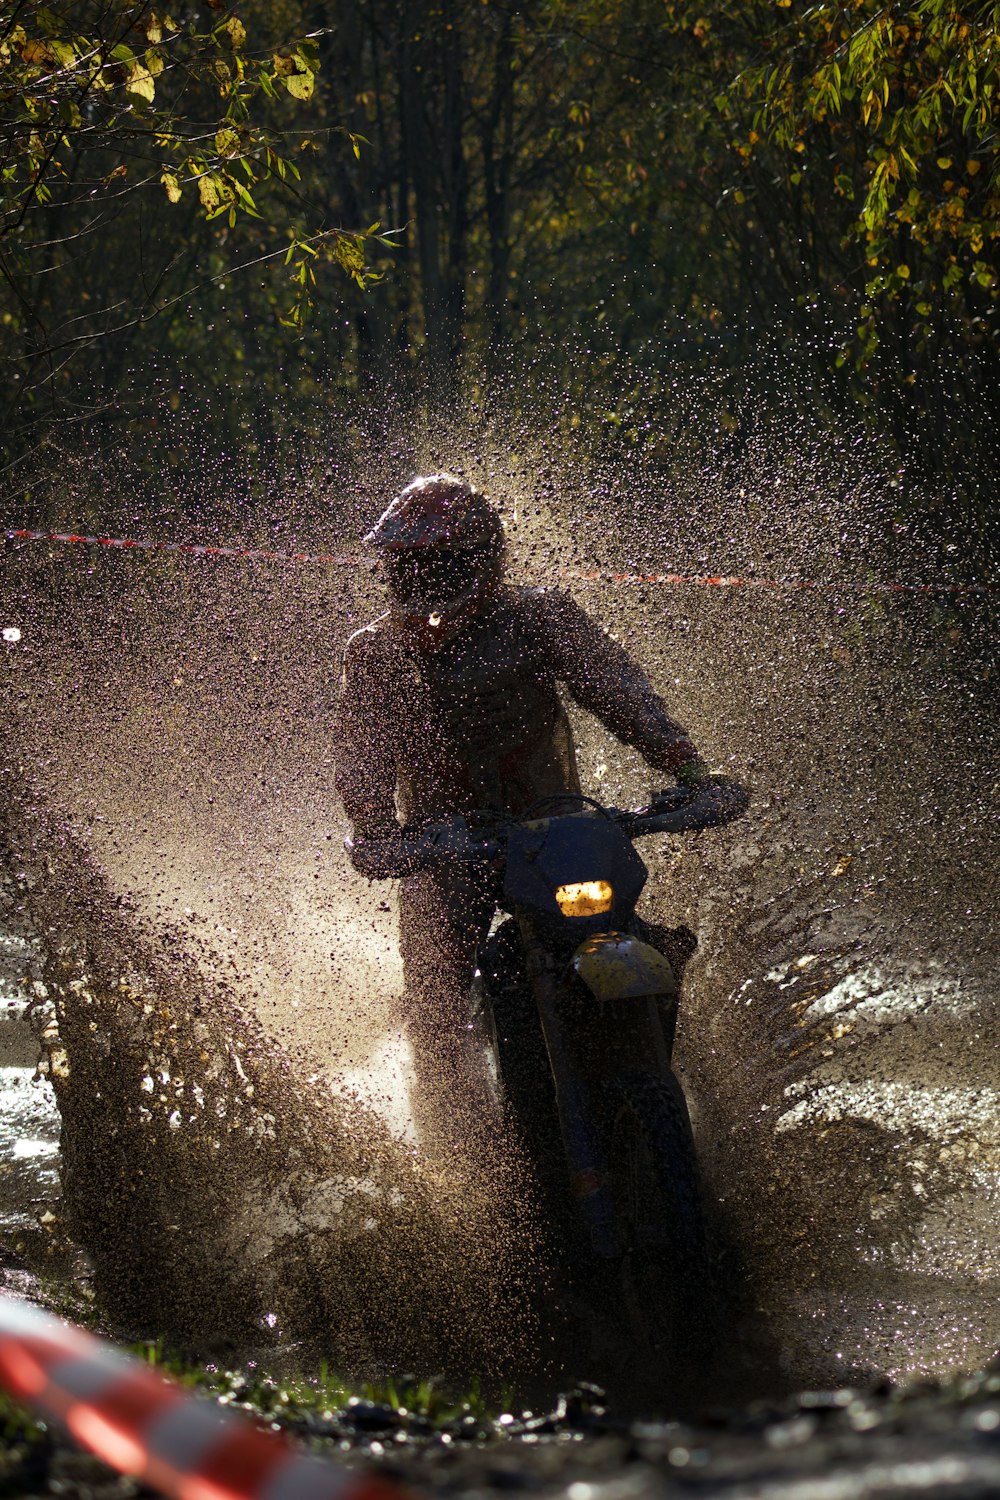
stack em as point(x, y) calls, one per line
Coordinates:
point(577, 1121)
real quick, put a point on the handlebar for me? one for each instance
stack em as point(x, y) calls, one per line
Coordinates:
point(683, 810)
point(677, 810)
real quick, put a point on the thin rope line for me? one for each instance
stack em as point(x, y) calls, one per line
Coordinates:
point(596, 575)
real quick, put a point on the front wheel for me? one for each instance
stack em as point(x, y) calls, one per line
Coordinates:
point(653, 1177)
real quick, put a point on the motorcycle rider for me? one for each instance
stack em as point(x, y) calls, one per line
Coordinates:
point(449, 704)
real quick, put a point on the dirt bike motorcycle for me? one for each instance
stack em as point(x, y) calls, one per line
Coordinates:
point(572, 1023)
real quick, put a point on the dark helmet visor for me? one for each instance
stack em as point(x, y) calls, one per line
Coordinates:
point(436, 573)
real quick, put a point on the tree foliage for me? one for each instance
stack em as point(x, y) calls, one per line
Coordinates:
point(115, 119)
point(685, 182)
point(896, 108)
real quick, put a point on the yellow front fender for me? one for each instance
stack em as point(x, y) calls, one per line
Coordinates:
point(617, 966)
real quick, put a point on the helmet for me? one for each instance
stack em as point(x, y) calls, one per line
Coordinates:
point(443, 546)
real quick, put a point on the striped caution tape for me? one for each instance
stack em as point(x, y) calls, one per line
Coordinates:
point(142, 1424)
point(333, 559)
point(743, 581)
point(192, 549)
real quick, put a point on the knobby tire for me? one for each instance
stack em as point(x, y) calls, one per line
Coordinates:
point(663, 1280)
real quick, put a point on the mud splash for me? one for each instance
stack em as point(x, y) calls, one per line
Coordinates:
point(224, 1197)
point(839, 1030)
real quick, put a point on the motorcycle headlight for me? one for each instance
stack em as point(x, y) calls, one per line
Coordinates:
point(585, 898)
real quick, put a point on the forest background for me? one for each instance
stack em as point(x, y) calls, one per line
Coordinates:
point(396, 203)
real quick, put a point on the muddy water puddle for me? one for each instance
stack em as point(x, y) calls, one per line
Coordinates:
point(29, 1165)
point(29, 1129)
point(29, 1148)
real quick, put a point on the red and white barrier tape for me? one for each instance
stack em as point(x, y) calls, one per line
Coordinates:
point(700, 580)
point(192, 549)
point(142, 1424)
point(736, 581)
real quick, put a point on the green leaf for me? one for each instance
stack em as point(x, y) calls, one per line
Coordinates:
point(307, 55)
point(245, 198)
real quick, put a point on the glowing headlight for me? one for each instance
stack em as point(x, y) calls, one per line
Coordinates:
point(586, 898)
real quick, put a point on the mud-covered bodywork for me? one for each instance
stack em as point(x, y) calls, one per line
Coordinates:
point(548, 854)
point(618, 966)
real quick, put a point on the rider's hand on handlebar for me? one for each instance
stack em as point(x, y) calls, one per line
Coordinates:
point(693, 773)
point(701, 799)
point(696, 777)
point(382, 858)
point(433, 847)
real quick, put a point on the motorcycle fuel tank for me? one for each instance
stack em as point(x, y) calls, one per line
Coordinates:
point(572, 850)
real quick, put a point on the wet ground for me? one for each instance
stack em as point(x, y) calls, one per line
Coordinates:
point(846, 1444)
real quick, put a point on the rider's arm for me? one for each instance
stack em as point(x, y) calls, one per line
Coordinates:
point(365, 775)
point(602, 678)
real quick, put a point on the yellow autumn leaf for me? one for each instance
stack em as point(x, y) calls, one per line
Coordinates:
point(140, 82)
point(35, 51)
point(172, 186)
point(301, 85)
point(208, 191)
point(236, 31)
